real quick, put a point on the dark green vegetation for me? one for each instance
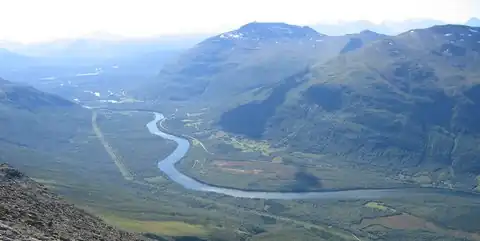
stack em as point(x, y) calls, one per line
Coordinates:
point(236, 121)
point(400, 102)
point(161, 206)
point(29, 117)
point(51, 138)
point(150, 203)
point(140, 159)
point(271, 107)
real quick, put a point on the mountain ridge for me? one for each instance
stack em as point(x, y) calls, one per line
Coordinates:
point(255, 55)
point(385, 27)
point(399, 101)
point(265, 30)
point(26, 97)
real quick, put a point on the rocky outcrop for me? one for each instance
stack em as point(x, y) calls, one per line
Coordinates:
point(28, 211)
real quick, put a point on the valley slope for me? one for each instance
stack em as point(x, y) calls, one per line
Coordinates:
point(274, 107)
point(404, 104)
point(400, 102)
point(246, 63)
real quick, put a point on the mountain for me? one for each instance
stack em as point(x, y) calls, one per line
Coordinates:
point(31, 212)
point(404, 101)
point(39, 126)
point(386, 27)
point(357, 41)
point(397, 27)
point(261, 31)
point(242, 63)
point(23, 97)
point(474, 22)
point(342, 28)
point(102, 46)
point(74, 68)
point(9, 60)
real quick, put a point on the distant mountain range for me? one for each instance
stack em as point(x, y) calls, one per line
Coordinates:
point(9, 59)
point(474, 22)
point(102, 45)
point(97, 47)
point(387, 27)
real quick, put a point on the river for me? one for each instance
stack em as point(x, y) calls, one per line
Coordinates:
point(167, 166)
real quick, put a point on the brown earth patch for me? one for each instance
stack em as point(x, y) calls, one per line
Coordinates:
point(267, 169)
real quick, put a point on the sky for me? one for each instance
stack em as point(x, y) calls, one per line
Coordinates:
point(44, 20)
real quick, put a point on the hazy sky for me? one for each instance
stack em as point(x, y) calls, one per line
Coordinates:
point(39, 20)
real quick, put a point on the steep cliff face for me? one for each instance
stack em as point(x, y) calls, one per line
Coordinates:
point(28, 211)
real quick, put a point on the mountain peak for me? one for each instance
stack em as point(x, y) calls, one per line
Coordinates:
point(259, 30)
point(368, 32)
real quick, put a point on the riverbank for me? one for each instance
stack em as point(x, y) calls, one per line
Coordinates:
point(167, 166)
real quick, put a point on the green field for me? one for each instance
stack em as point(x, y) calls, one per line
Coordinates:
point(148, 202)
point(261, 219)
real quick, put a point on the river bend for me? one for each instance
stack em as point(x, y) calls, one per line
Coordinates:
point(167, 166)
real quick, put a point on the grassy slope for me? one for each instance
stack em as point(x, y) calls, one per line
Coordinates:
point(96, 183)
point(52, 139)
point(398, 102)
point(101, 186)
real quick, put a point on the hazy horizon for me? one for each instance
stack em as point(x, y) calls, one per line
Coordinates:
point(37, 21)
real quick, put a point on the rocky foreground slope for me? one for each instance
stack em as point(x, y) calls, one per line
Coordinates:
point(28, 211)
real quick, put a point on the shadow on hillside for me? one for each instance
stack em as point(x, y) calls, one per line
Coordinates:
point(305, 181)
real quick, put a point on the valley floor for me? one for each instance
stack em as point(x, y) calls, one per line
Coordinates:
point(127, 189)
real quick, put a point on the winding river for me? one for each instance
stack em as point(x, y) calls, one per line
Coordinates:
point(167, 166)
